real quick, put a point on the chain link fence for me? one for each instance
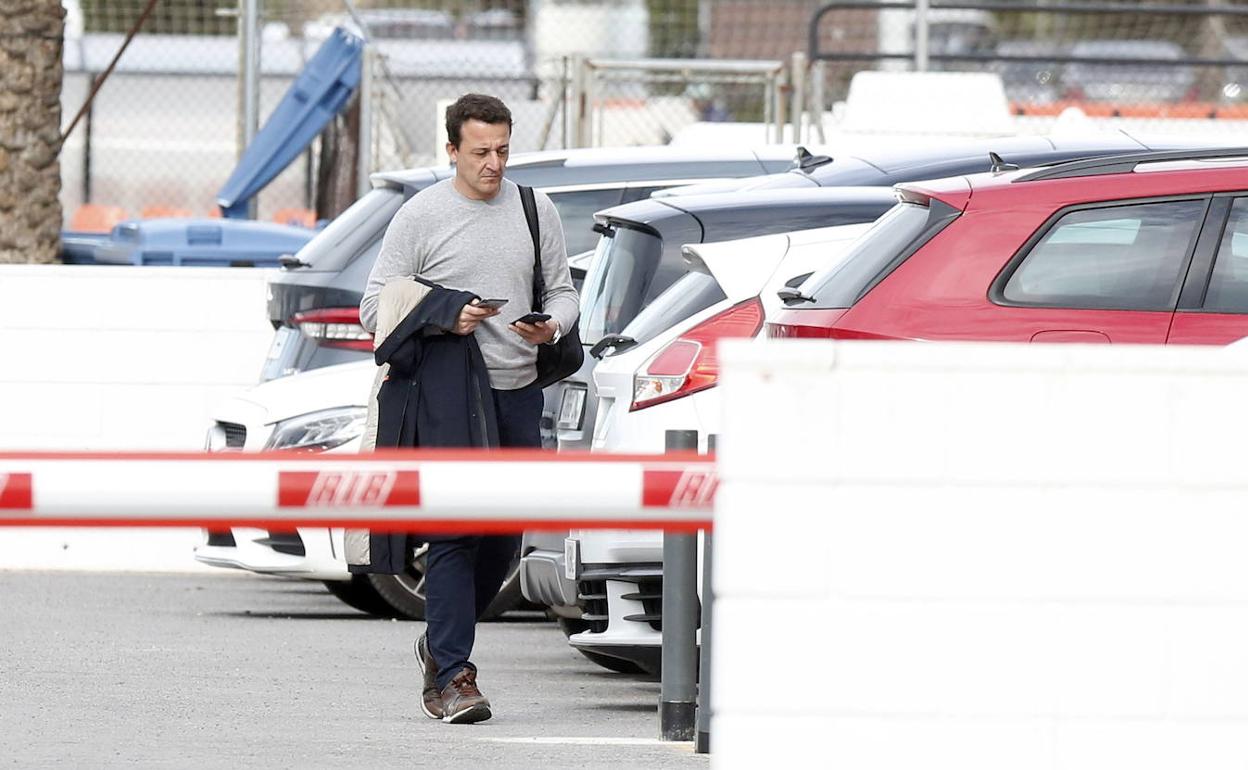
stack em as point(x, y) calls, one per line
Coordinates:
point(1160, 61)
point(164, 132)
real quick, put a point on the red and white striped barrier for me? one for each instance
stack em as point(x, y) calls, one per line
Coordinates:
point(429, 491)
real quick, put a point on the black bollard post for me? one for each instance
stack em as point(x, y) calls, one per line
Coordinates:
point(702, 743)
point(678, 692)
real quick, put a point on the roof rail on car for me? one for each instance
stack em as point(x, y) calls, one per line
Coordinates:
point(1121, 164)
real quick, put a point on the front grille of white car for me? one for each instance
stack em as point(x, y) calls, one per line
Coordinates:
point(592, 595)
point(235, 434)
point(650, 593)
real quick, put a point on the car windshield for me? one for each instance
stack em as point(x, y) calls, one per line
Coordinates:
point(351, 231)
point(692, 293)
point(619, 279)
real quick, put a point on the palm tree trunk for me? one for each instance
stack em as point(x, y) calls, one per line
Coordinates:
point(31, 38)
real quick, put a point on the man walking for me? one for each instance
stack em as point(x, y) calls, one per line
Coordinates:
point(469, 233)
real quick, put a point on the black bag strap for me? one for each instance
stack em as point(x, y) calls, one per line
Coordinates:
point(529, 201)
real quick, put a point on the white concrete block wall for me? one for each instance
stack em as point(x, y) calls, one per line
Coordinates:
point(986, 556)
point(134, 358)
point(121, 358)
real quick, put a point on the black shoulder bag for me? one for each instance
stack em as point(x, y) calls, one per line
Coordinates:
point(564, 357)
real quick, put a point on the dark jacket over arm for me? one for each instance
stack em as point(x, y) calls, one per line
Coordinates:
point(437, 395)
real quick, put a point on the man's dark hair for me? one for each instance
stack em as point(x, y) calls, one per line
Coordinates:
point(487, 109)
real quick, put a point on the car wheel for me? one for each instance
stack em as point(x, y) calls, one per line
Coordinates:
point(357, 593)
point(619, 666)
point(405, 594)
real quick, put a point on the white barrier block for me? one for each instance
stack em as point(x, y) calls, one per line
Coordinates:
point(977, 541)
point(1209, 663)
point(867, 743)
point(759, 526)
point(118, 357)
point(948, 659)
point(1152, 744)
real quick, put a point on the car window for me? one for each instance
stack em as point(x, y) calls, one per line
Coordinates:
point(352, 231)
point(355, 274)
point(618, 281)
point(1116, 258)
point(691, 293)
point(576, 210)
point(1228, 286)
point(842, 283)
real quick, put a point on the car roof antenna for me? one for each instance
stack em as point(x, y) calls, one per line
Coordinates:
point(999, 164)
point(806, 161)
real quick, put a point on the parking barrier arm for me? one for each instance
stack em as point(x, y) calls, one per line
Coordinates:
point(456, 491)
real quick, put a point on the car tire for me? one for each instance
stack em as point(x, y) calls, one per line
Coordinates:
point(405, 594)
point(570, 626)
point(358, 594)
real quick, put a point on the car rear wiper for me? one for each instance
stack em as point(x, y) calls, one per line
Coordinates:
point(618, 342)
point(793, 296)
point(291, 262)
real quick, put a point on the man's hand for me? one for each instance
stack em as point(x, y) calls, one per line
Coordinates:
point(536, 334)
point(472, 315)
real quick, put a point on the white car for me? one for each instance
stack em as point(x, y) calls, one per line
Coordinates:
point(664, 382)
point(321, 410)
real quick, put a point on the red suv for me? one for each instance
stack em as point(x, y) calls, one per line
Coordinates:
point(1142, 248)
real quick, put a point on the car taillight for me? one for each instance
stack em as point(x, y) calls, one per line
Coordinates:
point(799, 324)
point(690, 363)
point(335, 327)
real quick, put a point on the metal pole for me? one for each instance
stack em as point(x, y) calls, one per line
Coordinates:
point(798, 68)
point(587, 103)
point(782, 86)
point(566, 85)
point(818, 80)
point(249, 28)
point(920, 35)
point(364, 144)
point(678, 691)
point(88, 121)
point(577, 101)
point(769, 103)
point(702, 743)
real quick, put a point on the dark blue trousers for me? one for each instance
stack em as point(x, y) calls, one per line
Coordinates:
point(463, 573)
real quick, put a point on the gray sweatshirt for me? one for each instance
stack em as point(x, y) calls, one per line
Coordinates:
point(483, 247)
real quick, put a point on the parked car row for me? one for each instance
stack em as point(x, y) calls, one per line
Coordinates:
point(1117, 239)
point(1138, 248)
point(319, 368)
point(1119, 70)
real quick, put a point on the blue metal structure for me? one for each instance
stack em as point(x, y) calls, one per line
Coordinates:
point(218, 242)
point(317, 95)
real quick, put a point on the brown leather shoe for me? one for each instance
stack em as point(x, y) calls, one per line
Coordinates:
point(430, 698)
point(462, 702)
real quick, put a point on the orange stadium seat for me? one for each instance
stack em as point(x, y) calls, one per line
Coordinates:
point(163, 212)
point(295, 216)
point(96, 218)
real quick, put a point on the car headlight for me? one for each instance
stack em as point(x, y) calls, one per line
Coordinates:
point(215, 441)
point(319, 431)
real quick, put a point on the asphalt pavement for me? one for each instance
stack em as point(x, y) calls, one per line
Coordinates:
point(238, 670)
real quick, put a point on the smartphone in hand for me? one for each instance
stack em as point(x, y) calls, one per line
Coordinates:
point(492, 304)
point(532, 318)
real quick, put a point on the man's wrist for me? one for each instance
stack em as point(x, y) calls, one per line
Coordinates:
point(558, 333)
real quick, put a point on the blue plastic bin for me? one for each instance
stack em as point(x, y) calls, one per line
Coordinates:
point(215, 242)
